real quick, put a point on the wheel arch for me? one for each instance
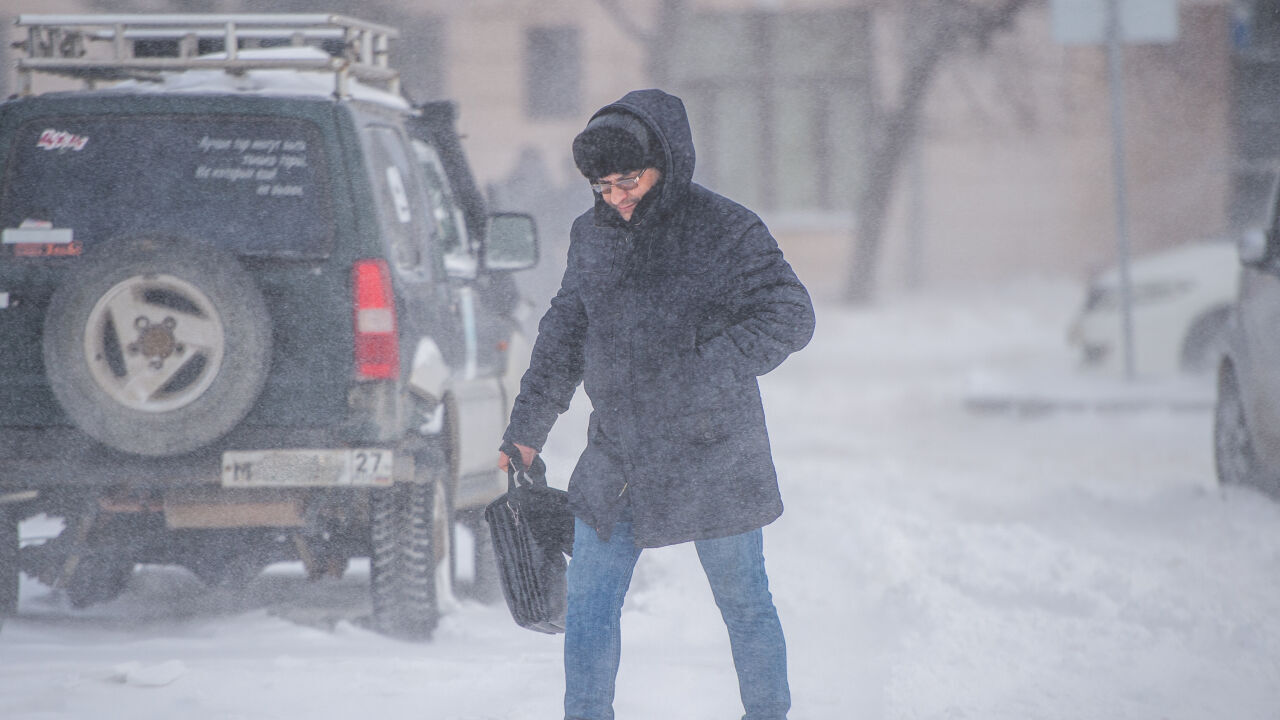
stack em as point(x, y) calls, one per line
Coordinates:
point(1208, 328)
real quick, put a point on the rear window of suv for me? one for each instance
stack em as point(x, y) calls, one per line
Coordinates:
point(256, 186)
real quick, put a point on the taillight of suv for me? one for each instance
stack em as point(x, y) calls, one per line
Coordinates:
point(377, 347)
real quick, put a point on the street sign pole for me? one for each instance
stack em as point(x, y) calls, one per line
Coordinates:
point(1113, 23)
point(1115, 71)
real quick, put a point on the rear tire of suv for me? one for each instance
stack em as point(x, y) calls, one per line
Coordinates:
point(410, 537)
point(1234, 456)
point(156, 347)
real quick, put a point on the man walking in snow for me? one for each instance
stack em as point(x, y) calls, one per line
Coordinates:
point(674, 301)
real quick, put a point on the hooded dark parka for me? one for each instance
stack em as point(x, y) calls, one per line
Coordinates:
point(668, 320)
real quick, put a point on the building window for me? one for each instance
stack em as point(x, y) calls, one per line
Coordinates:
point(779, 102)
point(553, 73)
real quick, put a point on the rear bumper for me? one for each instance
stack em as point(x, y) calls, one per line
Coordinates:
point(62, 456)
point(59, 470)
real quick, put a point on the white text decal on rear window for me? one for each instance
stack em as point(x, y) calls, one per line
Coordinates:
point(61, 140)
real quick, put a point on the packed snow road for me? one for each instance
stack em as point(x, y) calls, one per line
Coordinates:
point(933, 562)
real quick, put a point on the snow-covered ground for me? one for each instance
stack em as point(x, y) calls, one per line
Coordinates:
point(945, 553)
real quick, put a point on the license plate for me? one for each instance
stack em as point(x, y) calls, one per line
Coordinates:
point(306, 468)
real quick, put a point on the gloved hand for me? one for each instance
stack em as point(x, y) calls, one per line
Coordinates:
point(508, 453)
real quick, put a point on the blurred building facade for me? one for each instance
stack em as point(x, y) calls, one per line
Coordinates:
point(1011, 175)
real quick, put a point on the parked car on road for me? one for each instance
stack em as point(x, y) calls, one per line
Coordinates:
point(253, 310)
point(1246, 434)
point(1181, 299)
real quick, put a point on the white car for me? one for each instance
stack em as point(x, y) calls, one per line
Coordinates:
point(1181, 299)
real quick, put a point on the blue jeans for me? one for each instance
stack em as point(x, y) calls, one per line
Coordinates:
point(599, 575)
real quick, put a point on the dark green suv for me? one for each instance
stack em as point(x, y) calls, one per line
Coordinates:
point(253, 310)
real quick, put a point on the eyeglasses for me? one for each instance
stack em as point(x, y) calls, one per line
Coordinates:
point(627, 183)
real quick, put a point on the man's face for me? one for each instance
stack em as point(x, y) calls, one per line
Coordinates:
point(622, 198)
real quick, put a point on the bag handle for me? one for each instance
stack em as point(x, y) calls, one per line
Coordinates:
point(517, 474)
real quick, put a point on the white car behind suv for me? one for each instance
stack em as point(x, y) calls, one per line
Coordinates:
point(1181, 300)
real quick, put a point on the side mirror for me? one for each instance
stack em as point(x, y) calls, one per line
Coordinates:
point(511, 242)
point(1253, 246)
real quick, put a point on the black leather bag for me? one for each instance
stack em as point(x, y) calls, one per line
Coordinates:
point(532, 530)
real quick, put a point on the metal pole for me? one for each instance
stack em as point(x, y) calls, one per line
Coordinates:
point(1115, 71)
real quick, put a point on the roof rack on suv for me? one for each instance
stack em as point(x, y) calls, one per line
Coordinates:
point(141, 46)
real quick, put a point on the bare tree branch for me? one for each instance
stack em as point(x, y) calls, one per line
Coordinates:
point(617, 12)
point(945, 24)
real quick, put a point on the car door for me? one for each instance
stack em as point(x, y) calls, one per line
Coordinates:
point(501, 313)
point(434, 265)
point(477, 390)
point(1258, 313)
point(431, 319)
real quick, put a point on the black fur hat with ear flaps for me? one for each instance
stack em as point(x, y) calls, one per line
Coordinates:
point(614, 142)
